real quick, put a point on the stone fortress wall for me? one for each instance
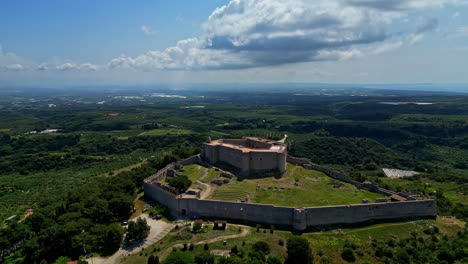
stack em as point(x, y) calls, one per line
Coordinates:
point(306, 163)
point(299, 218)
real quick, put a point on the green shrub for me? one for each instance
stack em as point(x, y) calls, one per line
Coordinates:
point(348, 254)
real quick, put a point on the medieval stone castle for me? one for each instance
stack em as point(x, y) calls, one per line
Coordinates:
point(249, 155)
point(256, 155)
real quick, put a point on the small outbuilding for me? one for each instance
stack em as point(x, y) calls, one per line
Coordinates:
point(220, 224)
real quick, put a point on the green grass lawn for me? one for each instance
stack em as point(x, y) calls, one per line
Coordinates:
point(313, 189)
point(211, 175)
point(193, 172)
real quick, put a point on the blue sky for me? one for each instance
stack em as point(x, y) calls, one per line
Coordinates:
point(87, 42)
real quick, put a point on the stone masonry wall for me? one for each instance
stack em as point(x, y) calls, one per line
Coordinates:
point(337, 175)
point(195, 159)
point(298, 218)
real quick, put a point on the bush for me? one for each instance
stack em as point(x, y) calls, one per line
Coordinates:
point(348, 255)
point(204, 258)
point(196, 227)
point(181, 182)
point(274, 260)
point(234, 250)
point(299, 251)
point(179, 257)
point(62, 260)
point(324, 260)
point(261, 246)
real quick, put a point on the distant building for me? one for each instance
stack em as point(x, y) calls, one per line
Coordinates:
point(251, 155)
point(28, 213)
point(47, 131)
point(11, 218)
point(220, 224)
point(395, 173)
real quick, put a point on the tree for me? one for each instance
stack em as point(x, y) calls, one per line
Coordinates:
point(299, 251)
point(234, 250)
point(348, 254)
point(274, 260)
point(153, 260)
point(196, 226)
point(180, 182)
point(402, 256)
point(112, 239)
point(204, 258)
point(62, 260)
point(231, 260)
point(137, 230)
point(261, 246)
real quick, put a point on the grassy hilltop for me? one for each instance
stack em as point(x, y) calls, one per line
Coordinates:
point(297, 187)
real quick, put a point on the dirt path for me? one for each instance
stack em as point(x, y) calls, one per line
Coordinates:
point(204, 174)
point(208, 190)
point(158, 230)
point(244, 232)
point(284, 138)
point(128, 168)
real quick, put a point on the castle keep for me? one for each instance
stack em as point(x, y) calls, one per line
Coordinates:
point(250, 155)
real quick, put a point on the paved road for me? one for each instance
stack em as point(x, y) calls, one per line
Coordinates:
point(158, 230)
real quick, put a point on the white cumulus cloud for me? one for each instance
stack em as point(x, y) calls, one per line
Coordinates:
point(257, 33)
point(148, 30)
point(14, 67)
point(42, 67)
point(69, 66)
